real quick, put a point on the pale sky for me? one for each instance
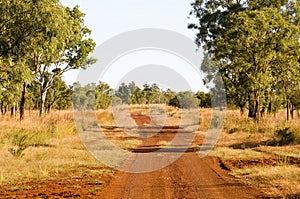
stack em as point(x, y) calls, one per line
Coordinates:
point(108, 18)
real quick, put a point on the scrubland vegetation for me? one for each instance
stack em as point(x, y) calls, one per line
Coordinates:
point(265, 154)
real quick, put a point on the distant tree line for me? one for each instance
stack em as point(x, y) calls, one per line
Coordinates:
point(101, 96)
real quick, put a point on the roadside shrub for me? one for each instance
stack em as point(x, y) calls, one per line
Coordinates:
point(284, 136)
point(20, 141)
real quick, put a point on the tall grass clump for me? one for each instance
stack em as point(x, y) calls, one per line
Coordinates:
point(268, 124)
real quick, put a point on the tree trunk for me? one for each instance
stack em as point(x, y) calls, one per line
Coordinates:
point(256, 109)
point(2, 110)
point(287, 110)
point(292, 111)
point(242, 110)
point(48, 109)
point(251, 113)
point(287, 104)
point(42, 102)
point(263, 112)
point(270, 106)
point(23, 100)
point(13, 110)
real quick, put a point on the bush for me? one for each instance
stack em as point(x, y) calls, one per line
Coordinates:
point(284, 136)
point(20, 141)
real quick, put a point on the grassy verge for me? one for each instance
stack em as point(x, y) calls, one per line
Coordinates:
point(265, 153)
point(39, 148)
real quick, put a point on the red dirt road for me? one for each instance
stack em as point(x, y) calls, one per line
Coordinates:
point(188, 177)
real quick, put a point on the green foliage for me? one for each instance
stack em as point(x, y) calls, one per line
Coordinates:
point(103, 94)
point(40, 40)
point(255, 47)
point(116, 100)
point(92, 96)
point(59, 96)
point(153, 94)
point(123, 92)
point(184, 100)
point(69, 49)
point(132, 94)
point(84, 96)
point(173, 101)
point(204, 98)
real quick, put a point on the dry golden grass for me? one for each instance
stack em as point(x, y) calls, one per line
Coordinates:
point(229, 153)
point(105, 117)
point(205, 119)
point(53, 146)
point(290, 150)
point(235, 122)
point(281, 180)
point(40, 163)
point(245, 139)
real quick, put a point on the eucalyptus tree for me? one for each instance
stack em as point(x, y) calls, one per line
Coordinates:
point(123, 92)
point(84, 97)
point(103, 95)
point(156, 94)
point(242, 38)
point(10, 86)
point(204, 99)
point(68, 48)
point(153, 94)
point(42, 37)
point(285, 65)
point(59, 96)
point(185, 100)
point(136, 94)
point(16, 41)
point(250, 49)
